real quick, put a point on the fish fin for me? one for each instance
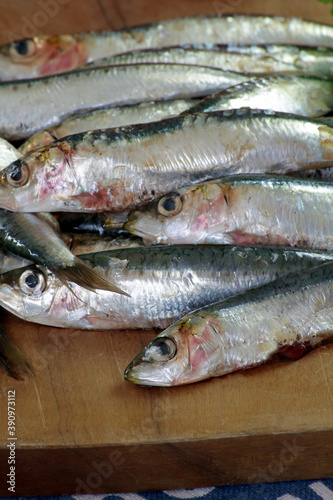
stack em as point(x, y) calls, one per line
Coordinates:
point(50, 220)
point(81, 274)
point(12, 361)
point(104, 260)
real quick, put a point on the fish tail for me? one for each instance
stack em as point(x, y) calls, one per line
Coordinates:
point(83, 275)
point(12, 361)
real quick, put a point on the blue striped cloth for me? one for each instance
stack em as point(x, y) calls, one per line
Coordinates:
point(292, 490)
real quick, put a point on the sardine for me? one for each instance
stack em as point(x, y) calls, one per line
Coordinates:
point(120, 169)
point(31, 105)
point(34, 237)
point(241, 210)
point(110, 117)
point(41, 56)
point(302, 95)
point(243, 59)
point(44, 55)
point(8, 153)
point(282, 319)
point(165, 284)
point(90, 243)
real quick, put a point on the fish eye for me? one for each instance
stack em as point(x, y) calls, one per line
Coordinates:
point(18, 174)
point(32, 282)
point(170, 204)
point(22, 48)
point(161, 349)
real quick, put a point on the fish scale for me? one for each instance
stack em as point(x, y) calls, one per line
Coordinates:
point(257, 209)
point(286, 317)
point(66, 52)
point(31, 105)
point(165, 283)
point(132, 165)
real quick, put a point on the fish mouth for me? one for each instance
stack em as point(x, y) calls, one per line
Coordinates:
point(147, 230)
point(146, 374)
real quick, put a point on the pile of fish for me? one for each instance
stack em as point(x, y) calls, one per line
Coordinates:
point(200, 136)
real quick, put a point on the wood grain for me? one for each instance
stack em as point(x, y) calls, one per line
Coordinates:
point(82, 429)
point(72, 16)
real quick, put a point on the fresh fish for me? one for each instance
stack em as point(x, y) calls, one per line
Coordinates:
point(8, 153)
point(34, 237)
point(261, 59)
point(117, 116)
point(302, 95)
point(283, 319)
point(253, 59)
point(31, 105)
point(41, 56)
point(9, 261)
point(44, 55)
point(165, 283)
point(120, 169)
point(90, 243)
point(241, 210)
point(306, 60)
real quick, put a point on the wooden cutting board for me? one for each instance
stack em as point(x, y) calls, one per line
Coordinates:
point(81, 429)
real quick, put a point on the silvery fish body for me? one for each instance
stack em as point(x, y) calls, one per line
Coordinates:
point(8, 153)
point(119, 169)
point(302, 95)
point(31, 105)
point(243, 59)
point(40, 56)
point(44, 55)
point(283, 319)
point(165, 284)
point(239, 29)
point(241, 210)
point(36, 237)
point(109, 117)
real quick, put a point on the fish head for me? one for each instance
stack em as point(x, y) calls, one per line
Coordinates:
point(40, 56)
point(182, 216)
point(22, 291)
point(35, 294)
point(184, 353)
point(30, 182)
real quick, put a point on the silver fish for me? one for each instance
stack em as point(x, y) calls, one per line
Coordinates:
point(248, 59)
point(302, 95)
point(80, 244)
point(40, 56)
point(284, 318)
point(241, 210)
point(31, 105)
point(35, 237)
point(8, 153)
point(43, 55)
point(110, 117)
point(165, 283)
point(119, 169)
